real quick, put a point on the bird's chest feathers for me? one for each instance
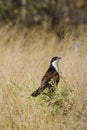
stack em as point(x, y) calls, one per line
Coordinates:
point(55, 65)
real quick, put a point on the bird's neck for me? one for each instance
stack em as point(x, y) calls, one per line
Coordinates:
point(55, 65)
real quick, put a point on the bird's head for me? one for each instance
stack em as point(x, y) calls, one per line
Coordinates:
point(55, 59)
point(54, 62)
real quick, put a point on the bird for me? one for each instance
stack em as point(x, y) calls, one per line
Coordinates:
point(52, 73)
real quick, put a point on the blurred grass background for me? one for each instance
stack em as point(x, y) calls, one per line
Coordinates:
point(31, 33)
point(24, 57)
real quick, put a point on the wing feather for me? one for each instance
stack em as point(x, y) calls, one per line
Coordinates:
point(48, 76)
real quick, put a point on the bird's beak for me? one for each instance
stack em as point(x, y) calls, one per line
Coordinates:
point(59, 58)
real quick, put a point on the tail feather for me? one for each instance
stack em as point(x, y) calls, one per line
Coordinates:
point(36, 93)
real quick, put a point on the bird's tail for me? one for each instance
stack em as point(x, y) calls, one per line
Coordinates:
point(36, 93)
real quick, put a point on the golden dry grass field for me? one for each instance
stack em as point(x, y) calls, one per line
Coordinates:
point(24, 58)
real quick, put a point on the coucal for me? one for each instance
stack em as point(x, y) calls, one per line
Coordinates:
point(51, 73)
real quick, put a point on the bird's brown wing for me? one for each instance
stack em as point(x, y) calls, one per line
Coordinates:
point(48, 76)
point(45, 81)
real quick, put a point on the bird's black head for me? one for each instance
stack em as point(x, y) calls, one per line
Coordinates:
point(54, 59)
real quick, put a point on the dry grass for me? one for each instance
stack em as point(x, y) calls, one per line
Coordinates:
point(24, 56)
